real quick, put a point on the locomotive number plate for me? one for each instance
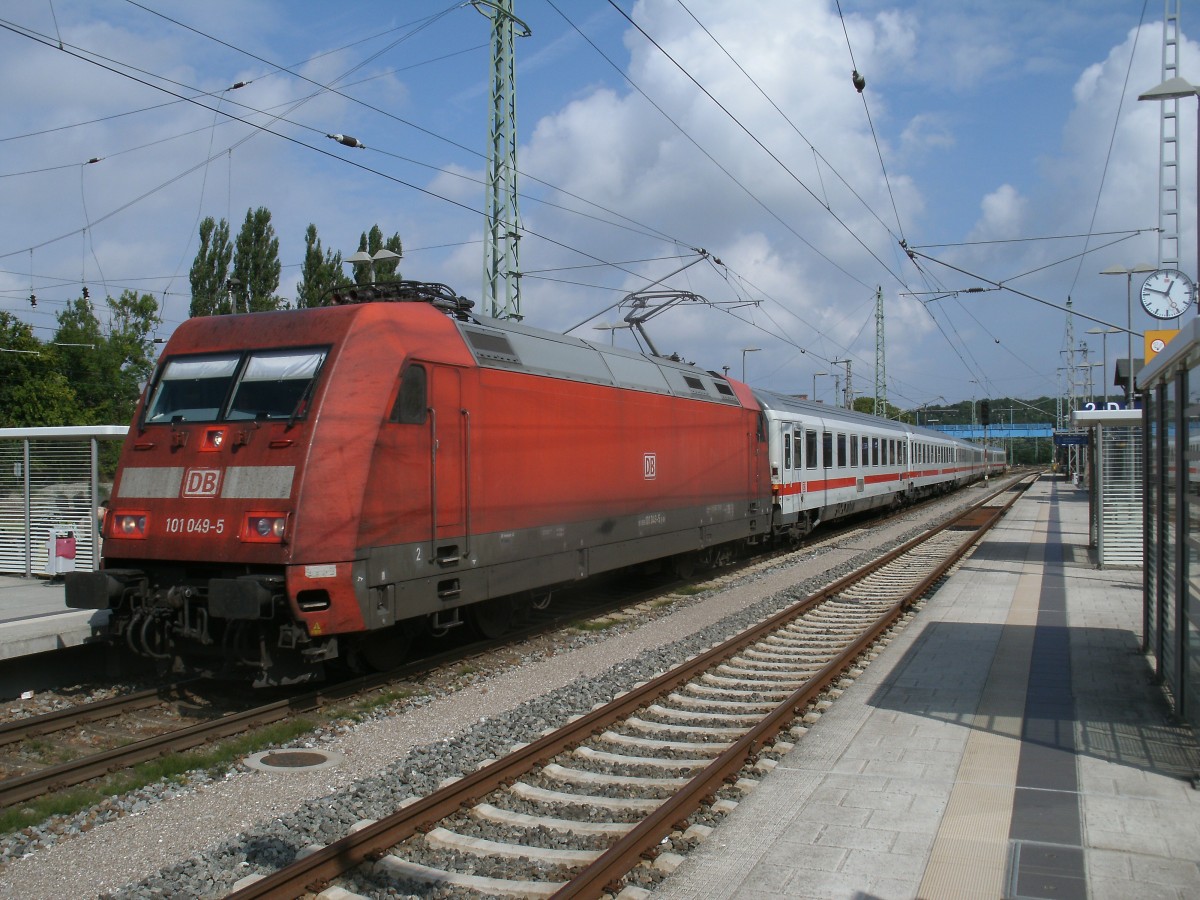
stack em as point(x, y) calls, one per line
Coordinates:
point(180, 525)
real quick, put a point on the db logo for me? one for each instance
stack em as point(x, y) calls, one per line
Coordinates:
point(650, 466)
point(201, 482)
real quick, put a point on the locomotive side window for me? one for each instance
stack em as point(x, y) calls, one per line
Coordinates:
point(192, 389)
point(412, 403)
point(275, 384)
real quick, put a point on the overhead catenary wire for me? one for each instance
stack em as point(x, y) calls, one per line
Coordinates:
point(850, 231)
point(451, 195)
point(260, 128)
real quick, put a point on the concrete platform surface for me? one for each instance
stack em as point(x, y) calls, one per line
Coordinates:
point(1009, 743)
point(34, 618)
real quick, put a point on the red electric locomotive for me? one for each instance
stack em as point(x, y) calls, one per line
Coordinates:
point(329, 483)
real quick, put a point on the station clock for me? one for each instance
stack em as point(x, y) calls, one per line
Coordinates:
point(1167, 293)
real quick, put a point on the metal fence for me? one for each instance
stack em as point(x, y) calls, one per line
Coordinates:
point(50, 487)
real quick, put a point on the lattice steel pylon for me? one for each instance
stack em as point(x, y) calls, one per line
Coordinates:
point(1168, 146)
point(880, 357)
point(501, 268)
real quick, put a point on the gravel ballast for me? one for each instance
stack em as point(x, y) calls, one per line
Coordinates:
point(198, 839)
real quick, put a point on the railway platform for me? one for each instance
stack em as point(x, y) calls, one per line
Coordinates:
point(1010, 742)
point(34, 618)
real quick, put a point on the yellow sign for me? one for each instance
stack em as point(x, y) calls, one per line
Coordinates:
point(1156, 341)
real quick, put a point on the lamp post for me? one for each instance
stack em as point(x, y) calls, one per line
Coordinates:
point(746, 350)
point(612, 329)
point(1104, 353)
point(362, 257)
point(814, 393)
point(1129, 273)
point(1091, 367)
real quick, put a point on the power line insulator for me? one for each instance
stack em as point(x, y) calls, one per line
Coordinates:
point(347, 140)
point(33, 300)
point(859, 81)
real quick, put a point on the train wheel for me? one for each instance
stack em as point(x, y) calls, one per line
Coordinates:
point(385, 649)
point(493, 618)
point(686, 565)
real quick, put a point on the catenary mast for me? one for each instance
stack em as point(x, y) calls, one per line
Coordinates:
point(501, 269)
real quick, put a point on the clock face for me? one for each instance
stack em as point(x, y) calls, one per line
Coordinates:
point(1167, 293)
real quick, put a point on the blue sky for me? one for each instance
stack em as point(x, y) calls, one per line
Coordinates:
point(1001, 133)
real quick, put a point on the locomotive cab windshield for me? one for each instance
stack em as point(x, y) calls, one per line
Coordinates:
point(229, 387)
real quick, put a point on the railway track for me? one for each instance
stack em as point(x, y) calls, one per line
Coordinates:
point(144, 725)
point(573, 813)
point(146, 722)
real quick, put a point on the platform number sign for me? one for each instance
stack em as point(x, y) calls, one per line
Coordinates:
point(650, 466)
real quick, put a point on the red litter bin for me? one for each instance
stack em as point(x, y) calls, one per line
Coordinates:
point(60, 552)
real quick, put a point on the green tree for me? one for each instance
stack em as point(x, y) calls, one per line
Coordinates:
point(133, 319)
point(322, 271)
point(867, 405)
point(385, 270)
point(256, 265)
point(106, 370)
point(78, 352)
point(32, 391)
point(210, 270)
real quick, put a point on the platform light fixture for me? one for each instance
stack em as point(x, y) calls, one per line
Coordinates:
point(363, 258)
point(1140, 268)
point(746, 350)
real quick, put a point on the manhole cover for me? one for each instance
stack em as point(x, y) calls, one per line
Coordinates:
point(293, 760)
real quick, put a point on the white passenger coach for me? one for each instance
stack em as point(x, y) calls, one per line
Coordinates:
point(828, 462)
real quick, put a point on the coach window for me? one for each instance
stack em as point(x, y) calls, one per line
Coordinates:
point(827, 448)
point(866, 452)
point(854, 451)
point(841, 450)
point(810, 449)
point(874, 451)
point(787, 450)
point(412, 402)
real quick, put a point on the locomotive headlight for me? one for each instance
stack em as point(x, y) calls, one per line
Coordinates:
point(264, 527)
point(214, 439)
point(129, 525)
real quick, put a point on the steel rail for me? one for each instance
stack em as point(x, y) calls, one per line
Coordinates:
point(59, 719)
point(598, 877)
point(317, 869)
point(22, 788)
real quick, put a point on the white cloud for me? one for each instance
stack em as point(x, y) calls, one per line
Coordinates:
point(971, 109)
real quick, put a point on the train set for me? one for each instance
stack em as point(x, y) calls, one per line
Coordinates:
point(326, 485)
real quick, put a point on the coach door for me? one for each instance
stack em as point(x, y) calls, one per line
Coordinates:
point(791, 472)
point(449, 426)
